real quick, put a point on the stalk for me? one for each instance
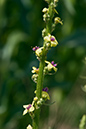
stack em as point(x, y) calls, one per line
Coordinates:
point(39, 86)
point(39, 93)
point(38, 73)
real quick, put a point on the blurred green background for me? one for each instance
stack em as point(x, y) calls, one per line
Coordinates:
point(20, 29)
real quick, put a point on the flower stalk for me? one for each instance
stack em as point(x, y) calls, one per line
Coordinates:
point(41, 75)
point(39, 93)
point(45, 67)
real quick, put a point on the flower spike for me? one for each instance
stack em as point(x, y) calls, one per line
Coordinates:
point(45, 67)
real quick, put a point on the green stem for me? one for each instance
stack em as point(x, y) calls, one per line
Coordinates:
point(49, 23)
point(39, 92)
point(40, 75)
point(40, 79)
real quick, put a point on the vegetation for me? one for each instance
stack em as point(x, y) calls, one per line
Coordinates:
point(20, 30)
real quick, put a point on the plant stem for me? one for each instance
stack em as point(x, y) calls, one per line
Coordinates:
point(40, 75)
point(39, 92)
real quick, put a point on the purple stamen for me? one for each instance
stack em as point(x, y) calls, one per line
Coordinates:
point(35, 48)
point(53, 64)
point(45, 89)
point(29, 106)
point(52, 38)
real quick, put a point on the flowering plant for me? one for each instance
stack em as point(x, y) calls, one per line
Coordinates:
point(45, 67)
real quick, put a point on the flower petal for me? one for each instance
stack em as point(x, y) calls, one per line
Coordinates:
point(34, 69)
point(25, 106)
point(31, 109)
point(29, 127)
point(25, 111)
point(47, 62)
point(55, 69)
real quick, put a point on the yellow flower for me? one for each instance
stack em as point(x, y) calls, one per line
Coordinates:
point(45, 10)
point(28, 108)
point(47, 38)
point(58, 20)
point(35, 98)
point(35, 77)
point(54, 42)
point(35, 70)
point(39, 51)
point(43, 32)
point(45, 95)
point(51, 66)
point(29, 127)
point(51, 39)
